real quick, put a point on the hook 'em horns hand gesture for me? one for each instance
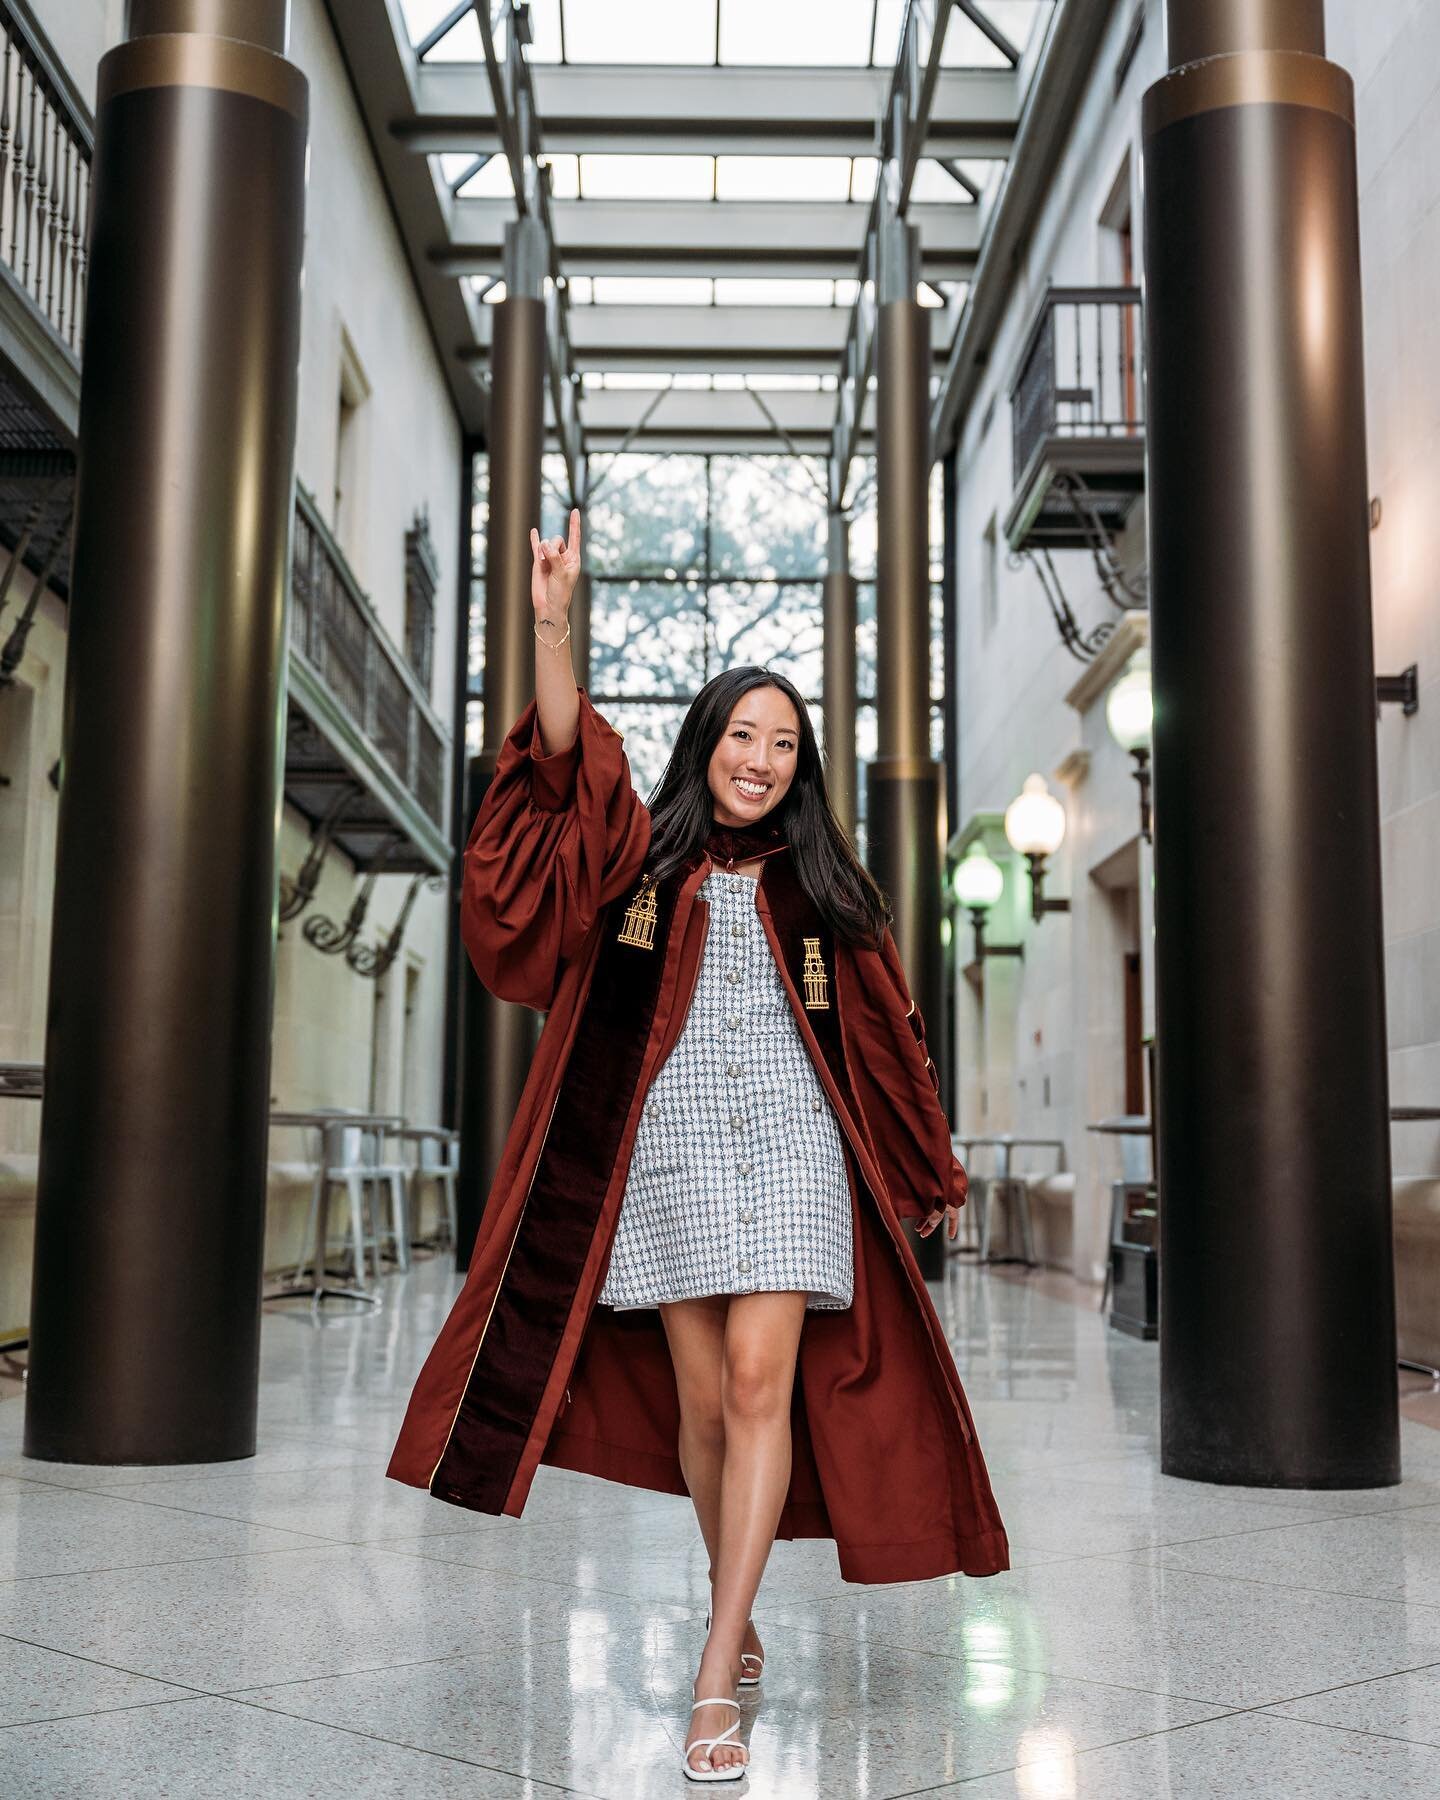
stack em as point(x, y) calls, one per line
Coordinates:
point(554, 572)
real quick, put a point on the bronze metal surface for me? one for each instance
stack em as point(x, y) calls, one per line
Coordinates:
point(902, 575)
point(499, 1037)
point(1198, 28)
point(838, 609)
point(254, 21)
point(1254, 78)
point(516, 438)
point(183, 60)
point(150, 1213)
point(1277, 1322)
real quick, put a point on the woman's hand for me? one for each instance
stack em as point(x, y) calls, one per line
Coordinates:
point(555, 571)
point(951, 1216)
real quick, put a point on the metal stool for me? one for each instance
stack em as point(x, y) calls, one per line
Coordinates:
point(343, 1163)
point(394, 1177)
point(440, 1162)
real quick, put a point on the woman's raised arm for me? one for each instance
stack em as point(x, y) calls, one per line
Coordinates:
point(554, 571)
point(561, 830)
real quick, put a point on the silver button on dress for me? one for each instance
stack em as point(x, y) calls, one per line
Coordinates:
point(737, 1180)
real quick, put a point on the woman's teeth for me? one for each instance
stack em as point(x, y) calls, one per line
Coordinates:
point(752, 790)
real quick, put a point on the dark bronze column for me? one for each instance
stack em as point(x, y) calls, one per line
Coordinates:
point(1277, 1289)
point(500, 1038)
point(151, 1212)
point(456, 961)
point(838, 616)
point(580, 604)
point(903, 782)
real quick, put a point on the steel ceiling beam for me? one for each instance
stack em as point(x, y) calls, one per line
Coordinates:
point(705, 237)
point(890, 253)
point(686, 110)
point(795, 339)
point(530, 223)
point(1061, 77)
point(820, 110)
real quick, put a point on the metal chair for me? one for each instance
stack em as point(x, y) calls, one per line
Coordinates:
point(1134, 1172)
point(440, 1162)
point(394, 1178)
point(343, 1163)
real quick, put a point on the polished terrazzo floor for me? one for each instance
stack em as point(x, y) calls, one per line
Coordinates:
point(297, 1625)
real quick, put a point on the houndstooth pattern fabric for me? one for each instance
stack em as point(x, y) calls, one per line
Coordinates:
point(737, 1182)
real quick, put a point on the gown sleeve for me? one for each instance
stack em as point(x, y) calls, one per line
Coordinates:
point(901, 1093)
point(556, 838)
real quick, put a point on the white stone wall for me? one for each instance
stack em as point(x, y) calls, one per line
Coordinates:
point(1392, 50)
point(357, 291)
point(1057, 1014)
point(1044, 1046)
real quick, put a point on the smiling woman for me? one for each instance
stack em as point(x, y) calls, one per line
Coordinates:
point(691, 1273)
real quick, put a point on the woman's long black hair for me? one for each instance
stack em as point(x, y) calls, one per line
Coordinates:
point(682, 809)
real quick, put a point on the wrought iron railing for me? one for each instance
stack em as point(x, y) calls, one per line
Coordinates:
point(1080, 372)
point(46, 141)
point(334, 626)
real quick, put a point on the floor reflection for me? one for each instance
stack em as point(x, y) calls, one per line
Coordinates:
point(296, 1624)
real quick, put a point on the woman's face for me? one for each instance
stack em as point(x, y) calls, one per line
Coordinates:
point(753, 764)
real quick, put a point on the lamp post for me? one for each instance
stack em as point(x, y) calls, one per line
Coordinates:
point(1130, 712)
point(1035, 826)
point(978, 882)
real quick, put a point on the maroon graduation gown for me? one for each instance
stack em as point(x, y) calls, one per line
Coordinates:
point(527, 1368)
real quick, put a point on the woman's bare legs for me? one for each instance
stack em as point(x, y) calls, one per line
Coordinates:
point(696, 1334)
point(734, 1359)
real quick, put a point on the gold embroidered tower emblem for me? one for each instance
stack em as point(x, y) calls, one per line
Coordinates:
point(640, 916)
point(816, 981)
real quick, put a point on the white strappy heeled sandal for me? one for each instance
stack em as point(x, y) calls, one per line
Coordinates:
point(735, 1770)
point(749, 1677)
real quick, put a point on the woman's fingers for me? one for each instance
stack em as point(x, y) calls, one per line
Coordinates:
point(538, 550)
point(574, 545)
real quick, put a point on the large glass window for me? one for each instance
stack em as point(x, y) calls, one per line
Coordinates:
point(698, 563)
point(726, 33)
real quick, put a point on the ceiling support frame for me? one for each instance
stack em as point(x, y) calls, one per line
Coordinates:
point(890, 256)
point(531, 257)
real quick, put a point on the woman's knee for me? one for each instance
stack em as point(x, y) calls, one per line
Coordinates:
point(702, 1416)
point(755, 1387)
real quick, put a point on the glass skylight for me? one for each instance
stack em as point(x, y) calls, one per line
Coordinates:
point(639, 31)
point(780, 290)
point(610, 177)
point(491, 182)
point(782, 177)
point(735, 33)
point(777, 381)
point(766, 31)
point(701, 290)
point(652, 290)
point(564, 177)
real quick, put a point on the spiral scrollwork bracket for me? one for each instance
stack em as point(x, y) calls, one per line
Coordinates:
point(330, 939)
point(296, 895)
point(372, 962)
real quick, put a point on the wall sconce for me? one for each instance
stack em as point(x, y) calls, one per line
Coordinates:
point(1035, 826)
point(977, 884)
point(1130, 714)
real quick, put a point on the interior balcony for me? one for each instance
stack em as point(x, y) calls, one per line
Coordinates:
point(1077, 414)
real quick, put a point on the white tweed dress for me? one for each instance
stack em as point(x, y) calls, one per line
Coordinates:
point(737, 1182)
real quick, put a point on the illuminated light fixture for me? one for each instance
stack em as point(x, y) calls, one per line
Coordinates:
point(1130, 714)
point(977, 883)
point(1035, 826)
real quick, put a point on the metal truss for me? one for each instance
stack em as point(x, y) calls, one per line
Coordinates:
point(889, 261)
point(1083, 646)
point(1124, 591)
point(1121, 590)
point(532, 254)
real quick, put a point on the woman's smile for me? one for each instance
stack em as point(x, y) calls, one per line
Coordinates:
point(764, 732)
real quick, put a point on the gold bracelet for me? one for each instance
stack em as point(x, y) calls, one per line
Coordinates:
point(559, 641)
